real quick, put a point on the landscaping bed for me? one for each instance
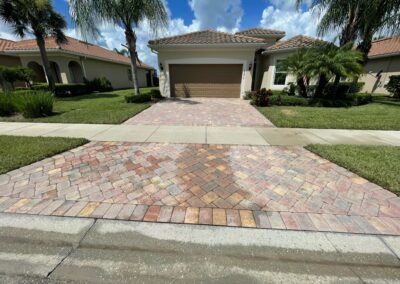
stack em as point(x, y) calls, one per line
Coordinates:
point(103, 108)
point(378, 164)
point(17, 151)
point(383, 114)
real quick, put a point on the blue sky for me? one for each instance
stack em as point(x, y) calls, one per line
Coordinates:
point(193, 15)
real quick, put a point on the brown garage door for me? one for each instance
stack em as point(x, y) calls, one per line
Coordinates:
point(205, 80)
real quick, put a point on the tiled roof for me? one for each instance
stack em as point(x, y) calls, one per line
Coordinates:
point(206, 37)
point(294, 42)
point(385, 46)
point(5, 43)
point(76, 46)
point(260, 32)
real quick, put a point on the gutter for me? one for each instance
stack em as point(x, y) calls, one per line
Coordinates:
point(384, 55)
point(242, 45)
point(280, 50)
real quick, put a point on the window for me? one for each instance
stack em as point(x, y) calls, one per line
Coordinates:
point(280, 73)
point(130, 74)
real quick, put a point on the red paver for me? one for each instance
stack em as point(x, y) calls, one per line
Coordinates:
point(248, 186)
point(201, 112)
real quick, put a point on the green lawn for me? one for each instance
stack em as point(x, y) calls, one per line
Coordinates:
point(103, 108)
point(18, 151)
point(379, 164)
point(383, 113)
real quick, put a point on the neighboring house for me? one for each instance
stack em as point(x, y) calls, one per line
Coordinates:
point(383, 61)
point(216, 64)
point(73, 61)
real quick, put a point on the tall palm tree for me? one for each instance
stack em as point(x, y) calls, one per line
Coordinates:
point(296, 65)
point(35, 17)
point(128, 14)
point(358, 20)
point(332, 62)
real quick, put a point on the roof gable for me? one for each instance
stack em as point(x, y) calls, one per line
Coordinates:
point(294, 42)
point(75, 46)
point(204, 38)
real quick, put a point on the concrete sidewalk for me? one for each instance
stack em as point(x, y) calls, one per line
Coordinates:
point(53, 249)
point(203, 134)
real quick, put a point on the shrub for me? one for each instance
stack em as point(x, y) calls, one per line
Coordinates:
point(34, 103)
point(6, 105)
point(394, 86)
point(156, 95)
point(142, 98)
point(248, 95)
point(342, 89)
point(99, 85)
point(63, 90)
point(290, 90)
point(261, 97)
point(284, 100)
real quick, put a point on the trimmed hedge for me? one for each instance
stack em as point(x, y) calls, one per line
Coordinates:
point(6, 105)
point(346, 101)
point(99, 85)
point(62, 90)
point(394, 86)
point(142, 98)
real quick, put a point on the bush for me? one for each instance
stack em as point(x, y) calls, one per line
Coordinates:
point(285, 100)
point(249, 95)
point(156, 95)
point(261, 97)
point(290, 90)
point(142, 98)
point(6, 105)
point(342, 89)
point(34, 104)
point(394, 86)
point(63, 90)
point(99, 85)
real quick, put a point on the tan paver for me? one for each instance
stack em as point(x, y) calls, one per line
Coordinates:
point(248, 186)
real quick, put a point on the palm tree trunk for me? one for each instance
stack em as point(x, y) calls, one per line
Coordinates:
point(302, 86)
point(45, 60)
point(320, 86)
point(131, 41)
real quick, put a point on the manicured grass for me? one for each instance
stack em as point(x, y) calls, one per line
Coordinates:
point(383, 113)
point(379, 164)
point(103, 108)
point(17, 151)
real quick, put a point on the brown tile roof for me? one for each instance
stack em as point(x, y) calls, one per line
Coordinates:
point(294, 42)
point(206, 37)
point(260, 32)
point(385, 46)
point(76, 46)
point(5, 43)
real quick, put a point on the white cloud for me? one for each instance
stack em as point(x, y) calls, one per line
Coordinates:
point(283, 15)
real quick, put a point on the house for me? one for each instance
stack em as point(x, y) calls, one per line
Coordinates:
point(73, 61)
point(383, 62)
point(216, 64)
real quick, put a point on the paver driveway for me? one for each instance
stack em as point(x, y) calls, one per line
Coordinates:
point(201, 112)
point(250, 186)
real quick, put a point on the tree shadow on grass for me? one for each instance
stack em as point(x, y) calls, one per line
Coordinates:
point(386, 100)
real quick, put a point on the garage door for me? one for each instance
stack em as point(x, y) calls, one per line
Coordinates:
point(205, 80)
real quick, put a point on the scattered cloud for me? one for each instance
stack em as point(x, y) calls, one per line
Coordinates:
point(283, 15)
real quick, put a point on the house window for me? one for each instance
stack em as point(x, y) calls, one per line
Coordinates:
point(280, 73)
point(130, 74)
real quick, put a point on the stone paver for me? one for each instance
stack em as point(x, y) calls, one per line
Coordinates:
point(201, 112)
point(248, 186)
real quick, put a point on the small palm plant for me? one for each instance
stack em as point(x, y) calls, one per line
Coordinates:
point(296, 65)
point(328, 61)
point(35, 17)
point(128, 14)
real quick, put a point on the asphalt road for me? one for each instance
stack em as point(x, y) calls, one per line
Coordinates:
point(41, 249)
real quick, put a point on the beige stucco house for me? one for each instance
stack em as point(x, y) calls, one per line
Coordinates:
point(216, 64)
point(73, 61)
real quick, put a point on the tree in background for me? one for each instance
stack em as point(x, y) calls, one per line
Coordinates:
point(128, 14)
point(36, 17)
point(358, 20)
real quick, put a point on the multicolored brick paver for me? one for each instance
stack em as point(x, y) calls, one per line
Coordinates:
point(248, 186)
point(201, 112)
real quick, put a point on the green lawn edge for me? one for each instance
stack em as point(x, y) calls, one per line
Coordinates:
point(19, 151)
point(378, 164)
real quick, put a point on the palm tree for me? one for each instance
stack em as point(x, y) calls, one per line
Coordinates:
point(358, 20)
point(296, 65)
point(127, 14)
point(35, 17)
point(328, 61)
